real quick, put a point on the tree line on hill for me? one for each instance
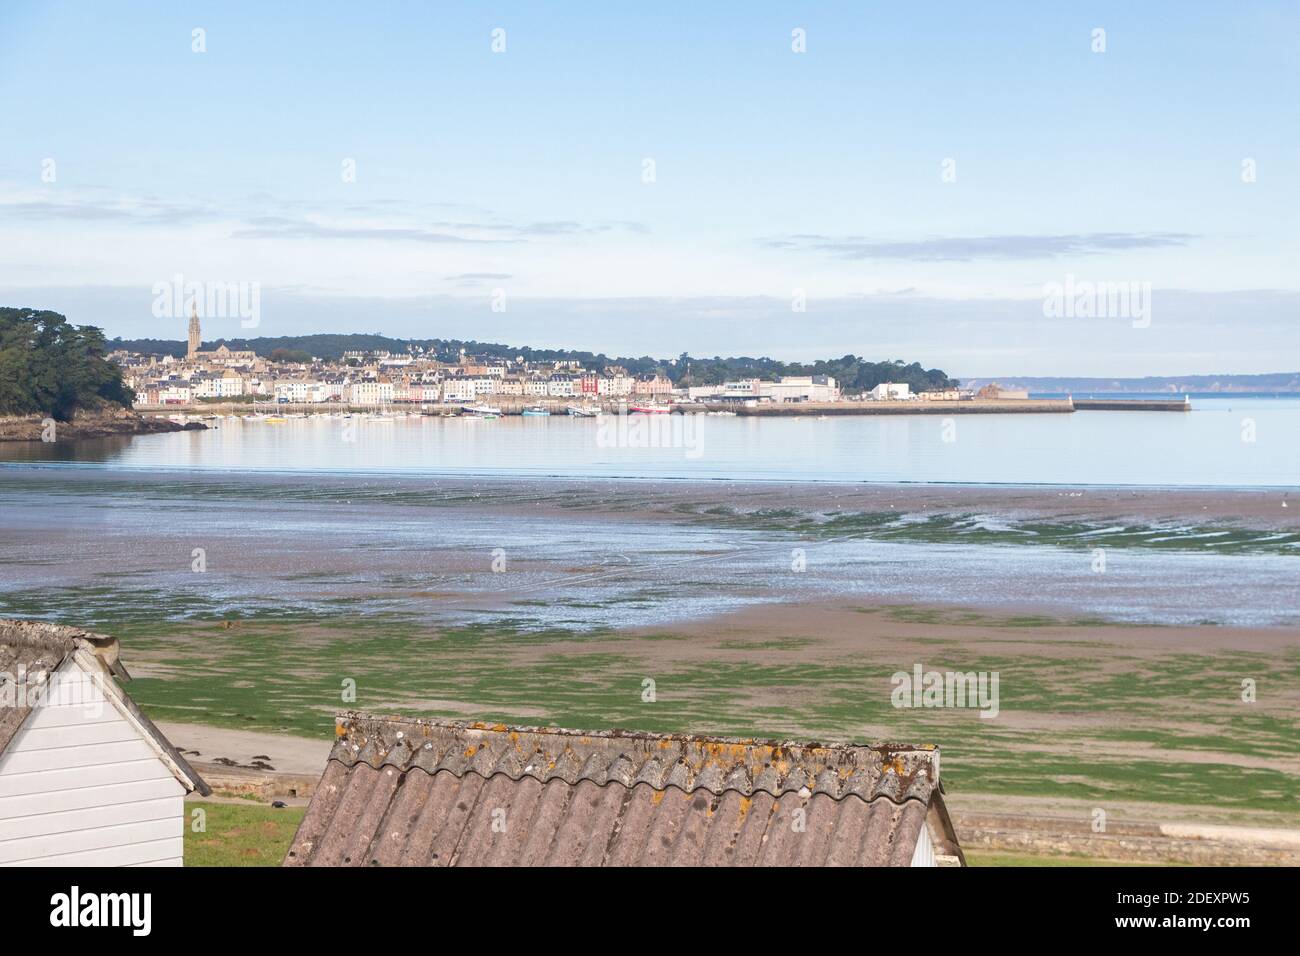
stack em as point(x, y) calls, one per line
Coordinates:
point(50, 367)
point(852, 372)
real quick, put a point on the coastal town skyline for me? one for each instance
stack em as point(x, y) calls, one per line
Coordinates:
point(1283, 378)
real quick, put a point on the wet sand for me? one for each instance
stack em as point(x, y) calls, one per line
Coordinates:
point(637, 498)
point(598, 554)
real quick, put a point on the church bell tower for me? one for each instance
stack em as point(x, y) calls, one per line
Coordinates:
point(196, 336)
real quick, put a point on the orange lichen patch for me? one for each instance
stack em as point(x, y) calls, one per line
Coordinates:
point(745, 804)
point(658, 797)
point(340, 730)
point(499, 728)
point(471, 751)
point(894, 766)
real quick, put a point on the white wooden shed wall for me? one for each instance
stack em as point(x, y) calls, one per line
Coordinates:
point(923, 855)
point(81, 786)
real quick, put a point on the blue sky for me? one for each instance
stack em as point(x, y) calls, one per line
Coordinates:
point(778, 175)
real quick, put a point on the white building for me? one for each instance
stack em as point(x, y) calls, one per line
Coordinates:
point(175, 395)
point(296, 390)
point(801, 388)
point(370, 393)
point(86, 779)
point(561, 386)
point(891, 392)
point(791, 388)
point(217, 386)
point(458, 390)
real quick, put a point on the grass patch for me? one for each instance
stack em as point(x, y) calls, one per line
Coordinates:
point(1094, 723)
point(238, 835)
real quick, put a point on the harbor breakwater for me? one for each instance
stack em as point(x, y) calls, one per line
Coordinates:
point(559, 406)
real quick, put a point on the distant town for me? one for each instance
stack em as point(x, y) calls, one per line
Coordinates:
point(420, 376)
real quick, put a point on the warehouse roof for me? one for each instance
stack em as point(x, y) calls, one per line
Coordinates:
point(427, 792)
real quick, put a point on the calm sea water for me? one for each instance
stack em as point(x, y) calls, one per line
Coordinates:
point(1222, 442)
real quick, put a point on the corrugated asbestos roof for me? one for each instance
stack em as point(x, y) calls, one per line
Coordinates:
point(31, 651)
point(433, 793)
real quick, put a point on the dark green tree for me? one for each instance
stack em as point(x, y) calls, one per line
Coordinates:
point(51, 367)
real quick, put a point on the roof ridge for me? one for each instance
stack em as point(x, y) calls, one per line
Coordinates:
point(686, 762)
point(895, 795)
point(624, 733)
point(16, 631)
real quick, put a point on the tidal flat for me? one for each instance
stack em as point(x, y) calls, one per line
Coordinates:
point(258, 602)
point(1087, 711)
